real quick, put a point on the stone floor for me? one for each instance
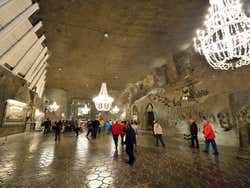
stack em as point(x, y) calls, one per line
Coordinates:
point(31, 160)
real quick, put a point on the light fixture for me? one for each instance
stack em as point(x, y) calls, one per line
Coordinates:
point(123, 116)
point(83, 110)
point(185, 98)
point(115, 110)
point(53, 107)
point(106, 35)
point(225, 41)
point(103, 101)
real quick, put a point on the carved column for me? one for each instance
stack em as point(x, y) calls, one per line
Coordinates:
point(244, 133)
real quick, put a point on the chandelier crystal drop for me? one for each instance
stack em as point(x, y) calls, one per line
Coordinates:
point(103, 101)
point(225, 41)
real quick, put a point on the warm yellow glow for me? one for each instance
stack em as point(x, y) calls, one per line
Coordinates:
point(54, 107)
point(38, 113)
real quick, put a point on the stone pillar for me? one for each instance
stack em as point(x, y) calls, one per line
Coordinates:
point(244, 134)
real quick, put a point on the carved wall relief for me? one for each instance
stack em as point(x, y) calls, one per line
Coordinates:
point(224, 121)
point(191, 93)
point(244, 127)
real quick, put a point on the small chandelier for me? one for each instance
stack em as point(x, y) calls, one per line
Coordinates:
point(85, 110)
point(53, 107)
point(225, 41)
point(103, 101)
point(115, 110)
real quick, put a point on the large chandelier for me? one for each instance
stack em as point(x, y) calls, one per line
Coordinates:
point(103, 101)
point(84, 110)
point(53, 107)
point(225, 41)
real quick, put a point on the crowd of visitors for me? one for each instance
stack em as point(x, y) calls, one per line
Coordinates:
point(208, 133)
point(60, 126)
point(127, 131)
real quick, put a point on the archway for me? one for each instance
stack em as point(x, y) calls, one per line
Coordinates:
point(149, 116)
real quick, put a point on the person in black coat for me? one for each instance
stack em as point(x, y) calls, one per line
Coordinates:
point(95, 124)
point(90, 127)
point(47, 125)
point(194, 133)
point(58, 128)
point(130, 141)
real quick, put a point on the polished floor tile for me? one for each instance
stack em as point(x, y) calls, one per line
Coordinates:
point(32, 160)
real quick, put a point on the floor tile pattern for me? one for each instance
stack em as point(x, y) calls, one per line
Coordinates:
point(31, 160)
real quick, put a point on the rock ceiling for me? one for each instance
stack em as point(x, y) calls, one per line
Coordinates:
point(141, 33)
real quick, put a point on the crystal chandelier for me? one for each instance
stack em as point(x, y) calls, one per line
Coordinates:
point(85, 110)
point(225, 41)
point(103, 101)
point(53, 107)
point(115, 110)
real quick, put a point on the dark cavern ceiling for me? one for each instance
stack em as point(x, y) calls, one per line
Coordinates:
point(115, 41)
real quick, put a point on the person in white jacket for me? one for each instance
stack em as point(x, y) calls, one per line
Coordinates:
point(158, 133)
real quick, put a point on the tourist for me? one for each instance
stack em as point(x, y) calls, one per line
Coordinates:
point(209, 136)
point(47, 125)
point(77, 127)
point(135, 127)
point(130, 140)
point(102, 125)
point(95, 128)
point(116, 131)
point(63, 126)
point(194, 133)
point(158, 133)
point(54, 125)
point(58, 126)
point(108, 126)
point(89, 127)
point(123, 131)
point(72, 124)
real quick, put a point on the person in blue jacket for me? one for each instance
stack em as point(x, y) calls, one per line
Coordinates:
point(108, 126)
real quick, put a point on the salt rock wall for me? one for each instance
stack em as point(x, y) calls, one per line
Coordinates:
point(9, 87)
point(197, 90)
point(175, 120)
point(12, 87)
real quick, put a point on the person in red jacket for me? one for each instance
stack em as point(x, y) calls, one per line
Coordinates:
point(116, 131)
point(209, 136)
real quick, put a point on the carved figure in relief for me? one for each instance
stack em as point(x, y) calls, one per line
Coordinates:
point(224, 121)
